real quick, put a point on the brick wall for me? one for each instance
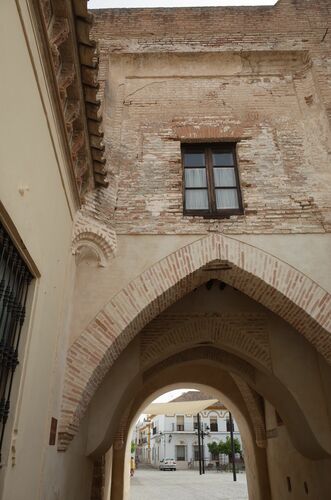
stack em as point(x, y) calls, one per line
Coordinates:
point(257, 75)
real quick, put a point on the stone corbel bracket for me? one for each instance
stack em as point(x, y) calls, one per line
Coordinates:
point(92, 227)
point(101, 241)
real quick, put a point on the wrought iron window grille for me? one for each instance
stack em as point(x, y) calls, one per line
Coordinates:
point(15, 278)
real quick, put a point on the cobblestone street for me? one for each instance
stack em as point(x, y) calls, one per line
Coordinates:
point(151, 484)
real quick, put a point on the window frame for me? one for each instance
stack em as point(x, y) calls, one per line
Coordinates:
point(180, 427)
point(185, 453)
point(208, 148)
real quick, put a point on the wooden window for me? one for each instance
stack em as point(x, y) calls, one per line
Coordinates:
point(211, 181)
point(213, 424)
point(180, 422)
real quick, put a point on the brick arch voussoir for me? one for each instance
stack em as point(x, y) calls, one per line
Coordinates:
point(215, 329)
point(273, 283)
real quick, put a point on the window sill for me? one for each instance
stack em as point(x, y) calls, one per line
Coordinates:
point(214, 215)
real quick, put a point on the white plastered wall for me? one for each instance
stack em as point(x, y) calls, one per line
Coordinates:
point(37, 203)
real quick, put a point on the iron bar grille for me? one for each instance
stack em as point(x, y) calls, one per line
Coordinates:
point(14, 282)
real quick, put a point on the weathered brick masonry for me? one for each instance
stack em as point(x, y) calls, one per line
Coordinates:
point(261, 76)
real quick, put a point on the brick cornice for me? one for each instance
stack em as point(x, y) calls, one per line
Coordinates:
point(71, 66)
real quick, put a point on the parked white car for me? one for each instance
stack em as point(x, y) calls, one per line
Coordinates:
point(167, 464)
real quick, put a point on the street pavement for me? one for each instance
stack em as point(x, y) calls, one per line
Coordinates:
point(152, 484)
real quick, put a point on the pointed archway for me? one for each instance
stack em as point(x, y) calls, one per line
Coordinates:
point(281, 288)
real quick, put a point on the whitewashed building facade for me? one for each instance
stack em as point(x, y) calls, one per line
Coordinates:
point(175, 436)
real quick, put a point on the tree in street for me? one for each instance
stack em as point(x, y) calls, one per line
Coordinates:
point(224, 447)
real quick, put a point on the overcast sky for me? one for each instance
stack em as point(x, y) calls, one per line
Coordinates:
point(168, 396)
point(101, 4)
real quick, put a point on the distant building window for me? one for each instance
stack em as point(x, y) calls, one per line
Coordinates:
point(195, 422)
point(180, 453)
point(180, 422)
point(213, 424)
point(211, 181)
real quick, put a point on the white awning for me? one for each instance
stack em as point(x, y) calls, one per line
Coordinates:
point(184, 407)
